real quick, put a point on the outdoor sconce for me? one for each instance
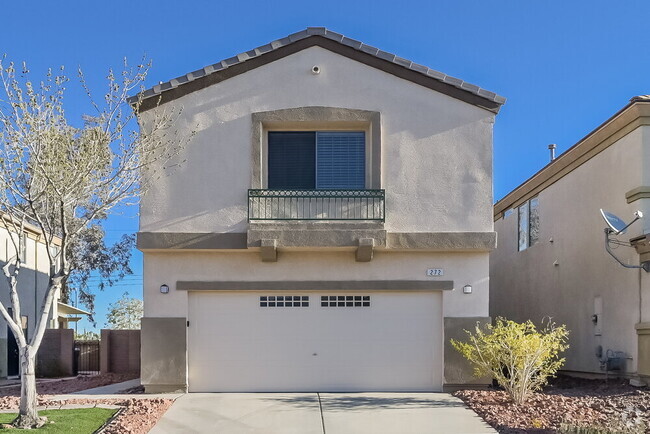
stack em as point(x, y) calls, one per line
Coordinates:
point(467, 289)
point(164, 289)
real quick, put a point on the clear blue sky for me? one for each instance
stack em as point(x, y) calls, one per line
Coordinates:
point(565, 66)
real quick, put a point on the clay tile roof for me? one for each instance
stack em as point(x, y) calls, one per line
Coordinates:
point(486, 99)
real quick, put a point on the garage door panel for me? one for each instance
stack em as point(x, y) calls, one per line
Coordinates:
point(237, 346)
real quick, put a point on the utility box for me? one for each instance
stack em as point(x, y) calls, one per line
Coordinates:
point(597, 319)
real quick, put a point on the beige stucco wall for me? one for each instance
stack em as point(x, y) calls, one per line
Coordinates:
point(436, 150)
point(436, 168)
point(527, 285)
point(462, 268)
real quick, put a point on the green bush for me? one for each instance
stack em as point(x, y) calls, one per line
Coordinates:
point(520, 357)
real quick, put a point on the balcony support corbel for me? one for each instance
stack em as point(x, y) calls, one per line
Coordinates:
point(366, 249)
point(269, 250)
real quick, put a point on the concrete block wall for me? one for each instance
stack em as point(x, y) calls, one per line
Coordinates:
point(120, 351)
point(55, 356)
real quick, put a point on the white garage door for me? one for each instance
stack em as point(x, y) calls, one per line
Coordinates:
point(305, 341)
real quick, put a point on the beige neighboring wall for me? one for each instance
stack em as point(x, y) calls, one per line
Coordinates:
point(436, 150)
point(32, 282)
point(568, 269)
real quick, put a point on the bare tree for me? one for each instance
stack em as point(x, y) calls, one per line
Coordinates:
point(63, 179)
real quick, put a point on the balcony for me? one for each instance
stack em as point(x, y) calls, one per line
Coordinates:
point(331, 205)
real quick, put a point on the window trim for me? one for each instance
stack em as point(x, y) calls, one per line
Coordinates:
point(528, 209)
point(315, 119)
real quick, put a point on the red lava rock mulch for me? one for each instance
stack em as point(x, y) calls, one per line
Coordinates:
point(565, 400)
point(70, 385)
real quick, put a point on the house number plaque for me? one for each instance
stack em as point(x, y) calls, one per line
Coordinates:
point(434, 272)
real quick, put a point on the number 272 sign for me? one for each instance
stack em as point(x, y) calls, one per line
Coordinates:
point(435, 272)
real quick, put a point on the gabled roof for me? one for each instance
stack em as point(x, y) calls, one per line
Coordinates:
point(635, 114)
point(319, 36)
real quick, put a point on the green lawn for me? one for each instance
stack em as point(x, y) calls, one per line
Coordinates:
point(77, 421)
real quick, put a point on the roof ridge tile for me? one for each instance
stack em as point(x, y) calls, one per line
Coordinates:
point(334, 36)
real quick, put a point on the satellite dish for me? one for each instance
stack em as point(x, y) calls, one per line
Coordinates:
point(617, 226)
point(614, 222)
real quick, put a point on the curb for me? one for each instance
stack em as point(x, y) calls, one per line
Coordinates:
point(106, 424)
point(67, 407)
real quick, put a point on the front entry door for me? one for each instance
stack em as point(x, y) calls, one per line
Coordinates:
point(12, 354)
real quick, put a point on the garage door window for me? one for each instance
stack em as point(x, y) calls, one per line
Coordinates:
point(345, 301)
point(284, 301)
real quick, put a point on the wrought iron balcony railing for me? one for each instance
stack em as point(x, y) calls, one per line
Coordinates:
point(368, 205)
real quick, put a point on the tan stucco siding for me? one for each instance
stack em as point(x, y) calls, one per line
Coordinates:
point(436, 150)
point(461, 268)
point(527, 284)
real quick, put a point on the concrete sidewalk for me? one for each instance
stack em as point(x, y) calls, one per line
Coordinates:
point(110, 389)
point(313, 413)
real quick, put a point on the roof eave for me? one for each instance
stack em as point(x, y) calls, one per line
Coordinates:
point(324, 38)
point(587, 147)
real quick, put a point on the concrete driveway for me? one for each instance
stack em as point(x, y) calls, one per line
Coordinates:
point(320, 413)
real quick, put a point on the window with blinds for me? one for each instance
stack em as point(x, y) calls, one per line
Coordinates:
point(316, 160)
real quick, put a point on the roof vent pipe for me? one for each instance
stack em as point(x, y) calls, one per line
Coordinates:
point(551, 148)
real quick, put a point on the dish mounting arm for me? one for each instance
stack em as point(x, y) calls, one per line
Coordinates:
point(608, 232)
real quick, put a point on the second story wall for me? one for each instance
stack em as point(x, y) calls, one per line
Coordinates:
point(436, 151)
point(567, 273)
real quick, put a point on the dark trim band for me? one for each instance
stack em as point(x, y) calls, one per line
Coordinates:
point(318, 285)
point(191, 241)
point(635, 194)
point(326, 235)
point(442, 241)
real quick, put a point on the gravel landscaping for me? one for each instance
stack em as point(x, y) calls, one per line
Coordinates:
point(70, 385)
point(138, 416)
point(565, 401)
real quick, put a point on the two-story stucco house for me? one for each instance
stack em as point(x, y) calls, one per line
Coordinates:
point(329, 229)
point(551, 260)
point(32, 285)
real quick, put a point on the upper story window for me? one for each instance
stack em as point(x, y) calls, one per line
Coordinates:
point(528, 223)
point(316, 160)
point(22, 248)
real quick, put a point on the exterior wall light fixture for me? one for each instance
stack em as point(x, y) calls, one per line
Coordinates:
point(467, 289)
point(164, 289)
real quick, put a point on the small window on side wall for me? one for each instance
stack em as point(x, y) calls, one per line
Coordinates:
point(528, 223)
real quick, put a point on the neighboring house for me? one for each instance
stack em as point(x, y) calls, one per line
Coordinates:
point(331, 207)
point(32, 285)
point(551, 258)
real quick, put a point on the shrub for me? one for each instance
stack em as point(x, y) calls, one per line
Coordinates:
point(520, 357)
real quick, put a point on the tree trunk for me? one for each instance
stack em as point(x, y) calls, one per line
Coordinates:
point(27, 413)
